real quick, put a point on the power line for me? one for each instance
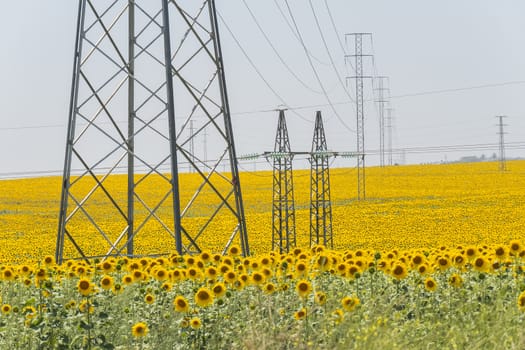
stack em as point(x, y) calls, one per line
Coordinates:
point(310, 61)
point(296, 34)
point(255, 67)
point(296, 108)
point(286, 65)
point(336, 32)
point(333, 64)
point(442, 91)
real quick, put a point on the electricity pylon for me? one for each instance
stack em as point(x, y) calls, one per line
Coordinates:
point(283, 210)
point(502, 162)
point(360, 114)
point(382, 101)
point(320, 204)
point(141, 68)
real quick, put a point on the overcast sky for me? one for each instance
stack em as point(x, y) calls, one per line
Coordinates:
point(422, 46)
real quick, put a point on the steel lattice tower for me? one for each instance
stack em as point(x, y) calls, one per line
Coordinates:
point(141, 68)
point(382, 102)
point(283, 210)
point(502, 162)
point(388, 125)
point(360, 114)
point(320, 204)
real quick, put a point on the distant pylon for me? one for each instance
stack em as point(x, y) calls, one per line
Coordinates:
point(502, 162)
point(382, 102)
point(136, 63)
point(283, 209)
point(360, 115)
point(320, 203)
point(389, 125)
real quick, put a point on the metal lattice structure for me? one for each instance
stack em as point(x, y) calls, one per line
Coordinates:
point(283, 210)
point(320, 203)
point(382, 102)
point(389, 125)
point(360, 114)
point(501, 133)
point(144, 71)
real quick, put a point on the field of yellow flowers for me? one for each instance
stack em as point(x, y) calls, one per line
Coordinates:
point(407, 207)
point(434, 258)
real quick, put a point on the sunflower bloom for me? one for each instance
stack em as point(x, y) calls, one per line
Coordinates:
point(106, 282)
point(6, 309)
point(300, 314)
point(399, 271)
point(149, 298)
point(269, 288)
point(481, 264)
point(430, 284)
point(258, 278)
point(303, 288)
point(234, 250)
point(521, 301)
point(85, 287)
point(515, 246)
point(139, 329)
point(320, 298)
point(181, 304)
point(338, 316)
point(195, 323)
point(204, 297)
point(219, 289)
point(350, 303)
point(455, 280)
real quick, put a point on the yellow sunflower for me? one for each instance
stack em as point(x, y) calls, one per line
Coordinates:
point(455, 280)
point(430, 284)
point(303, 288)
point(399, 271)
point(85, 287)
point(219, 289)
point(521, 301)
point(149, 298)
point(195, 323)
point(106, 282)
point(181, 304)
point(204, 297)
point(269, 288)
point(300, 314)
point(139, 329)
point(350, 303)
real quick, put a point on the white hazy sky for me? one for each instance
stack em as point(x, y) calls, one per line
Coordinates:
point(421, 46)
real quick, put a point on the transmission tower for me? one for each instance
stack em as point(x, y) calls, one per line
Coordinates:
point(140, 68)
point(388, 125)
point(283, 210)
point(360, 115)
point(502, 163)
point(320, 204)
point(382, 102)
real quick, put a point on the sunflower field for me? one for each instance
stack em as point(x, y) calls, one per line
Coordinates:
point(433, 258)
